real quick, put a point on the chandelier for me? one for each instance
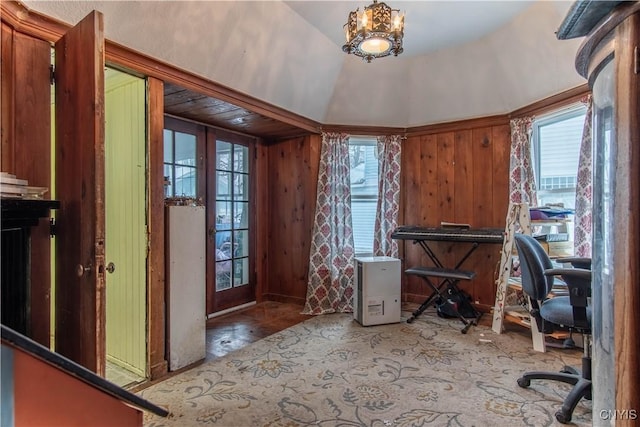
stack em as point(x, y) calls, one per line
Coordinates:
point(375, 32)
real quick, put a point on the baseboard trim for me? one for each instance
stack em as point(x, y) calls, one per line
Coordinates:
point(231, 310)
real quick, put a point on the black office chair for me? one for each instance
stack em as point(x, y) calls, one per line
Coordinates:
point(569, 312)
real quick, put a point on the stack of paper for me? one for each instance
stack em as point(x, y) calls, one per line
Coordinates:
point(10, 186)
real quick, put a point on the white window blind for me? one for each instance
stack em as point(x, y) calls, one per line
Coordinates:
point(363, 159)
point(556, 148)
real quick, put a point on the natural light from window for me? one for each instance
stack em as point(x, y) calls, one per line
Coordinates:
point(556, 142)
point(556, 148)
point(179, 164)
point(363, 159)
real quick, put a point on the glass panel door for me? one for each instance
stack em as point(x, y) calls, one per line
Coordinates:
point(232, 225)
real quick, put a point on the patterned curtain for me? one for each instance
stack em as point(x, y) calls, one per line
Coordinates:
point(388, 196)
point(582, 231)
point(522, 183)
point(330, 285)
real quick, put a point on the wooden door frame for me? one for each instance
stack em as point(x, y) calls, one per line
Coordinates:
point(156, 316)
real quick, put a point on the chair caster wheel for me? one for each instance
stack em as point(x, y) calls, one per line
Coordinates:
point(562, 417)
point(411, 319)
point(524, 382)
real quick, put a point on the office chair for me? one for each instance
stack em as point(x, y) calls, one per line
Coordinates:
point(570, 312)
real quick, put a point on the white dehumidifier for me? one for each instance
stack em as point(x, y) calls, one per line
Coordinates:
point(376, 299)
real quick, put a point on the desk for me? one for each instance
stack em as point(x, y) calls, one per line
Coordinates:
point(448, 276)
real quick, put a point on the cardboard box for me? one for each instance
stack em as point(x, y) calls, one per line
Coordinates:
point(558, 249)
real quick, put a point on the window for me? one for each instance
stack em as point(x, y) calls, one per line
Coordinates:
point(556, 143)
point(363, 159)
point(179, 164)
point(556, 149)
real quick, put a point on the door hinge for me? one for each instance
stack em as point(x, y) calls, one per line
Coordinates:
point(53, 228)
point(636, 55)
point(52, 74)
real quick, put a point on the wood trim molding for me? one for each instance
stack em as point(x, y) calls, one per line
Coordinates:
point(420, 130)
point(459, 125)
point(552, 103)
point(363, 130)
point(152, 67)
point(37, 25)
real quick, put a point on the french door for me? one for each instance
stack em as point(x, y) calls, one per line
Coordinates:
point(216, 167)
point(230, 221)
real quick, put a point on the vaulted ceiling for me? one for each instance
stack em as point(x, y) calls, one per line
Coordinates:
point(462, 59)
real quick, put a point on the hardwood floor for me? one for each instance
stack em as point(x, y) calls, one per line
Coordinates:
point(235, 330)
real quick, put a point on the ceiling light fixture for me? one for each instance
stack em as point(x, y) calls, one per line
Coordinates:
point(375, 32)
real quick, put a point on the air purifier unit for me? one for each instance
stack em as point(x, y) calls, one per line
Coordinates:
point(376, 299)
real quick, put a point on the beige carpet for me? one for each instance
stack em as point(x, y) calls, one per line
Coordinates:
point(330, 371)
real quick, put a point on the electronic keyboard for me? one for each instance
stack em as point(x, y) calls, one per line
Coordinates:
point(475, 235)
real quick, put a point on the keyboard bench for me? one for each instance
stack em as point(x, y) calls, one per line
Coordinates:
point(448, 278)
point(445, 273)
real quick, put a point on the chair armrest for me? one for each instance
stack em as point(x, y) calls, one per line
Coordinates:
point(577, 262)
point(573, 273)
point(578, 281)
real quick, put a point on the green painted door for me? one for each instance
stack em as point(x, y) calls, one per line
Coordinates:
point(126, 236)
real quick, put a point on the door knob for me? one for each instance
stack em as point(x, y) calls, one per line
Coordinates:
point(81, 270)
point(111, 267)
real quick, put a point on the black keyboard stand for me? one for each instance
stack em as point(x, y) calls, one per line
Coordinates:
point(447, 277)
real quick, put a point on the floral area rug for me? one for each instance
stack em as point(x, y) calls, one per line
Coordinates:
point(330, 371)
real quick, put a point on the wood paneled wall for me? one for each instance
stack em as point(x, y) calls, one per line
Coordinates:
point(26, 150)
point(292, 180)
point(456, 176)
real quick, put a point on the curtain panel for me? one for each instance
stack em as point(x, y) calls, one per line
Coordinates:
point(522, 183)
point(330, 283)
point(389, 150)
point(583, 230)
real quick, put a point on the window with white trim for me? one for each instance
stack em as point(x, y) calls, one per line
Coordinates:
point(556, 144)
point(363, 159)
